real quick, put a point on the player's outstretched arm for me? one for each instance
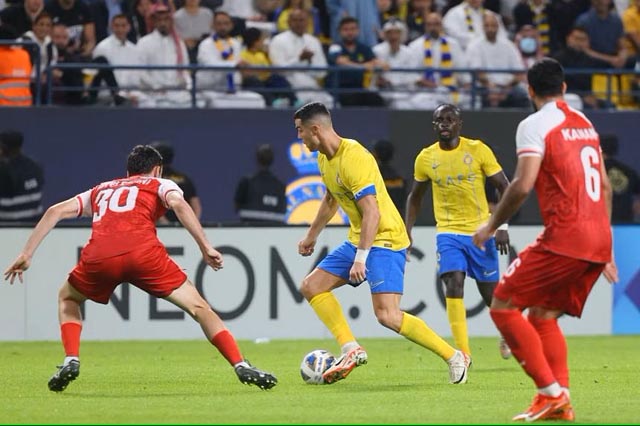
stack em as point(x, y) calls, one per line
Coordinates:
point(368, 205)
point(500, 182)
point(54, 214)
point(414, 202)
point(328, 208)
point(188, 218)
point(611, 269)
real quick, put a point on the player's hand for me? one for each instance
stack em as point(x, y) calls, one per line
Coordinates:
point(306, 246)
point(610, 272)
point(213, 258)
point(502, 241)
point(358, 272)
point(482, 234)
point(19, 265)
point(408, 252)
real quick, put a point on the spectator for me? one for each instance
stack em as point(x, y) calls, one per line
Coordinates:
point(500, 89)
point(365, 12)
point(465, 22)
point(164, 47)
point(182, 180)
point(567, 13)
point(76, 15)
point(21, 181)
point(418, 10)
point(605, 30)
point(539, 15)
point(103, 12)
point(576, 55)
point(193, 24)
point(278, 90)
point(296, 48)
point(359, 62)
point(313, 24)
point(22, 16)
point(631, 26)
point(72, 79)
point(437, 50)
point(389, 9)
point(140, 20)
point(261, 197)
point(624, 182)
point(118, 50)
point(41, 35)
point(530, 45)
point(15, 72)
point(244, 14)
point(222, 50)
point(396, 87)
point(393, 181)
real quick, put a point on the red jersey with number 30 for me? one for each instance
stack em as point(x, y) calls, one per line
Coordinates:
point(569, 183)
point(124, 213)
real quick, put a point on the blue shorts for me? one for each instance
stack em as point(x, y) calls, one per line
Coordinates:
point(457, 253)
point(385, 268)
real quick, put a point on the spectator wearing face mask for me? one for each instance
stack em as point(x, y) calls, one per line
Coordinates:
point(529, 45)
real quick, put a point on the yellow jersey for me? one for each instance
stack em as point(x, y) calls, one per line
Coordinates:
point(353, 173)
point(457, 181)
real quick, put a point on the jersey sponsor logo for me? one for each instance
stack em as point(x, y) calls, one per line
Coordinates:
point(572, 134)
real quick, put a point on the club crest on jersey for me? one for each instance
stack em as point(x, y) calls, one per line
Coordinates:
point(467, 159)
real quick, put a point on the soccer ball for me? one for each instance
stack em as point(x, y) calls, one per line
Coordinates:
point(314, 364)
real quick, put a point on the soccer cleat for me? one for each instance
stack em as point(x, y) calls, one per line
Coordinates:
point(250, 375)
point(458, 368)
point(505, 350)
point(546, 407)
point(344, 365)
point(65, 374)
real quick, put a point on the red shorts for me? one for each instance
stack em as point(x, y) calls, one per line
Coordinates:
point(149, 268)
point(548, 280)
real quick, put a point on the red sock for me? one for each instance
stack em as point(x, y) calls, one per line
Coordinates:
point(525, 345)
point(554, 346)
point(227, 346)
point(70, 332)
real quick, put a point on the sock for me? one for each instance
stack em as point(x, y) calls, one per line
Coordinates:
point(70, 332)
point(349, 346)
point(554, 346)
point(457, 315)
point(328, 309)
point(68, 359)
point(227, 346)
point(525, 345)
point(553, 390)
point(418, 331)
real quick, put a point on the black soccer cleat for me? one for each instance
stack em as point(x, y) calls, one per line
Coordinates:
point(65, 374)
point(252, 376)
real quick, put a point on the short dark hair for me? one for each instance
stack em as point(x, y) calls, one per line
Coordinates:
point(165, 150)
point(142, 159)
point(11, 140)
point(264, 155)
point(347, 20)
point(43, 15)
point(545, 77)
point(120, 16)
point(250, 36)
point(609, 144)
point(448, 107)
point(310, 110)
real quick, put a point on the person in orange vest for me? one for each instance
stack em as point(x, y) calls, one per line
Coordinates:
point(15, 72)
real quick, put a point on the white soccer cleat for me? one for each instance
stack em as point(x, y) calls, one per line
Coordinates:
point(458, 368)
point(505, 350)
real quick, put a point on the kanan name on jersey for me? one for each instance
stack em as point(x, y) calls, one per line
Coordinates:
point(573, 134)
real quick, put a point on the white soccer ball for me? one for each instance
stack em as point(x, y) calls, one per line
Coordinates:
point(314, 364)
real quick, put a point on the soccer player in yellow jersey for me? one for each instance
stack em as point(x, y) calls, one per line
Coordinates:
point(375, 250)
point(457, 168)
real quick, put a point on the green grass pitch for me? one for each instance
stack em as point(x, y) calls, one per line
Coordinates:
point(169, 382)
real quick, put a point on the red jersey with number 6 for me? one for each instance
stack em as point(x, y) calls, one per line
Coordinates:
point(124, 213)
point(569, 183)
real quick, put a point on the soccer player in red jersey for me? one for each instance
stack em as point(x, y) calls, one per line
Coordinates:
point(558, 154)
point(124, 247)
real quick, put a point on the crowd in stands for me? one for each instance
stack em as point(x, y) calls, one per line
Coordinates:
point(368, 38)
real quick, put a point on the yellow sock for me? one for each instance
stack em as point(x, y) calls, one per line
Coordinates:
point(458, 320)
point(418, 331)
point(329, 311)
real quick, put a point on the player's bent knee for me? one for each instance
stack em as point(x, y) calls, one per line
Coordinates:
point(308, 289)
point(389, 318)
